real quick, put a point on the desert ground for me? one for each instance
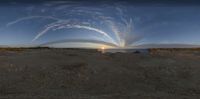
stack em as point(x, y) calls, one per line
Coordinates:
point(88, 74)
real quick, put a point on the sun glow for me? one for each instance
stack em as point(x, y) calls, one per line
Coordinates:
point(102, 49)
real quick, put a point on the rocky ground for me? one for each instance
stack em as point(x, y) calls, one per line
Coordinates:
point(88, 74)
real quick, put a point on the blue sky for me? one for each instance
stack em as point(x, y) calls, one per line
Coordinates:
point(121, 23)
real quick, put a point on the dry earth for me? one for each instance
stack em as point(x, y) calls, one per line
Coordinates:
point(88, 74)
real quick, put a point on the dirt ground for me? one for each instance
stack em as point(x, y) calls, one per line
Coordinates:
point(88, 74)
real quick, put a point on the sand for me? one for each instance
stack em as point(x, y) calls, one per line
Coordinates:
point(88, 74)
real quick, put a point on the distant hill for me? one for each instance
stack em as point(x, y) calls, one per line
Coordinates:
point(3, 46)
point(19, 46)
point(167, 46)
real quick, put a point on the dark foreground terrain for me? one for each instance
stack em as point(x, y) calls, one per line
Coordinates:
point(88, 74)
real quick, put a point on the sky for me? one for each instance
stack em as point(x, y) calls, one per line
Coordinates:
point(110, 24)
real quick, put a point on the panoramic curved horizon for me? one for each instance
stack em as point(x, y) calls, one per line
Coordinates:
point(109, 24)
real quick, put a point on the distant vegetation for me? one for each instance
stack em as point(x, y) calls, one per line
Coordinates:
point(176, 49)
point(173, 50)
point(151, 50)
point(11, 49)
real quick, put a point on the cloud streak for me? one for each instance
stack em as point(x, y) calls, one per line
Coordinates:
point(29, 18)
point(76, 15)
point(55, 27)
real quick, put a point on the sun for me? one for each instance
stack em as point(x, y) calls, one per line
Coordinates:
point(102, 48)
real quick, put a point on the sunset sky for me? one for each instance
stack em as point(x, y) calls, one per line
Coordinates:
point(115, 23)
